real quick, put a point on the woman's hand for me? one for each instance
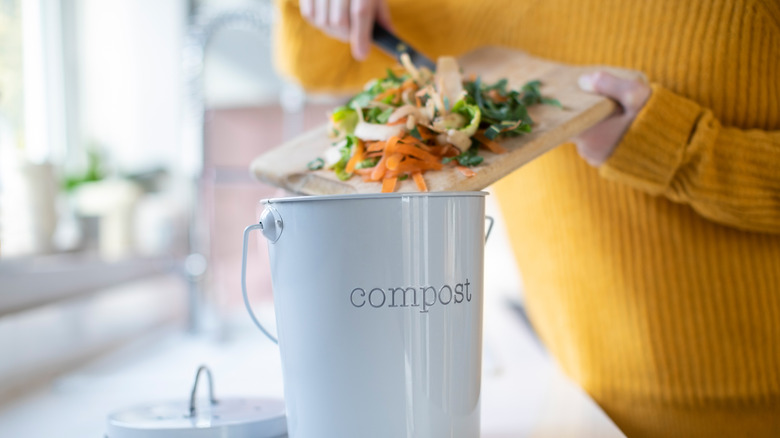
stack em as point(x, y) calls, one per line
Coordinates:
point(597, 144)
point(348, 20)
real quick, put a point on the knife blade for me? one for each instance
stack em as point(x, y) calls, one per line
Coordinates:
point(395, 47)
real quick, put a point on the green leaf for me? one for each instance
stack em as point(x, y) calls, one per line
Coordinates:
point(551, 101)
point(367, 163)
point(471, 112)
point(392, 76)
point(361, 99)
point(372, 114)
point(346, 153)
point(341, 174)
point(416, 133)
point(344, 119)
point(468, 158)
point(403, 177)
point(384, 116)
point(492, 132)
point(499, 86)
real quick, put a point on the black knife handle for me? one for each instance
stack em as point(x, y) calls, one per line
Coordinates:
point(387, 41)
point(394, 46)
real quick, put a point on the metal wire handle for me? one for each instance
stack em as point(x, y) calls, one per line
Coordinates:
point(194, 392)
point(259, 325)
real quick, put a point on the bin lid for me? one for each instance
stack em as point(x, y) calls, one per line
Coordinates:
point(227, 418)
point(223, 418)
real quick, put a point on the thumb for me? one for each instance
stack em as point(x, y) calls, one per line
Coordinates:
point(630, 94)
point(383, 16)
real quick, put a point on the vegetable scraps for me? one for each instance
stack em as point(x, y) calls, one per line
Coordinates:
point(412, 121)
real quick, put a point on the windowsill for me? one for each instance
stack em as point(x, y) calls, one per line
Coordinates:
point(32, 282)
point(51, 340)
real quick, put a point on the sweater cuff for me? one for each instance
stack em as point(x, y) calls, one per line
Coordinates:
point(652, 149)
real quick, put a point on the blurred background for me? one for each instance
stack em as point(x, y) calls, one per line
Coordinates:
point(126, 132)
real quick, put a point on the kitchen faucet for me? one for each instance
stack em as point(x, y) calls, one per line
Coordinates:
point(259, 20)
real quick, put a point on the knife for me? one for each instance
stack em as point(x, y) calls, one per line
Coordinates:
point(395, 47)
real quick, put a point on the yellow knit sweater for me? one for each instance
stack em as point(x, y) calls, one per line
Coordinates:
point(654, 280)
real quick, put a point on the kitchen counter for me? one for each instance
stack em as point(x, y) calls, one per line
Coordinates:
point(524, 393)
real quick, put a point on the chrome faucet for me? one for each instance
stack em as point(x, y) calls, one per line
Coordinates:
point(258, 19)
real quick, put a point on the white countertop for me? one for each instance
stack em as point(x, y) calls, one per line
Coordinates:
point(524, 392)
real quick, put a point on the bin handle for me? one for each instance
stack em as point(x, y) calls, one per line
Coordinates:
point(490, 226)
point(247, 231)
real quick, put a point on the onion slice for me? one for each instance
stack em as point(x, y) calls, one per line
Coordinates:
point(409, 110)
point(449, 82)
point(376, 131)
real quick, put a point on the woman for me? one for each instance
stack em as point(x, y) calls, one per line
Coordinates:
point(651, 267)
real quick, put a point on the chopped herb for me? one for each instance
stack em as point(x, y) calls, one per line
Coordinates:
point(346, 153)
point(492, 132)
point(361, 99)
point(416, 133)
point(551, 101)
point(384, 116)
point(509, 116)
point(468, 158)
point(532, 94)
point(494, 109)
point(372, 114)
point(367, 163)
point(316, 164)
point(499, 86)
point(393, 77)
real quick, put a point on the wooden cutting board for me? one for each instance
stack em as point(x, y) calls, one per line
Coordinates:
point(285, 166)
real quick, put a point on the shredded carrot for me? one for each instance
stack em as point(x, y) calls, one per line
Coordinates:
point(411, 164)
point(379, 169)
point(409, 84)
point(386, 93)
point(391, 142)
point(357, 156)
point(492, 145)
point(412, 151)
point(388, 184)
point(394, 160)
point(408, 139)
point(420, 181)
point(446, 150)
point(425, 133)
point(376, 146)
point(466, 171)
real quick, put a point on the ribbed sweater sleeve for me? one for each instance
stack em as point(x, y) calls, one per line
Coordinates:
point(680, 150)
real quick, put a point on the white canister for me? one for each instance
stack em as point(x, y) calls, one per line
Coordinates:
point(378, 303)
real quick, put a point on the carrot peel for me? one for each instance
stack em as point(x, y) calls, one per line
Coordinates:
point(388, 184)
